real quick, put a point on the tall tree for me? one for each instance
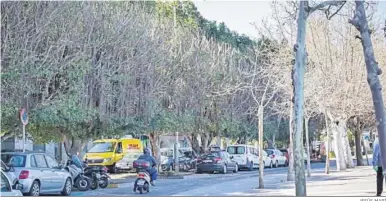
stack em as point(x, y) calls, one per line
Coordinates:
point(360, 22)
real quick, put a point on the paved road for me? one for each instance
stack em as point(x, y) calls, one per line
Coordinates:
point(170, 187)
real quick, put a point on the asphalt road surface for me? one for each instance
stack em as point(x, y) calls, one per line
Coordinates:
point(170, 187)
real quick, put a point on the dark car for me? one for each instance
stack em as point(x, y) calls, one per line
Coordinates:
point(219, 161)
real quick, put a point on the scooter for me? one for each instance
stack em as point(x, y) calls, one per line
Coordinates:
point(75, 168)
point(98, 174)
point(142, 183)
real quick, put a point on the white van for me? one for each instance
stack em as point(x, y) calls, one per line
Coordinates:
point(247, 156)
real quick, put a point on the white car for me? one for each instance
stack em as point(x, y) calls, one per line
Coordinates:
point(266, 160)
point(277, 157)
point(6, 187)
point(126, 163)
point(244, 155)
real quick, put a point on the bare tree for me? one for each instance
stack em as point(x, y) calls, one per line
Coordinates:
point(360, 22)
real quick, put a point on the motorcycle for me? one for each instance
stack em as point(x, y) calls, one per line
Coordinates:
point(168, 164)
point(98, 174)
point(75, 168)
point(142, 183)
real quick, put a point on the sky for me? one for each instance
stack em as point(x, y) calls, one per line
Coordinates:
point(238, 15)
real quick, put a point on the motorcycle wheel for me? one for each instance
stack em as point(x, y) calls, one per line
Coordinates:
point(82, 184)
point(104, 182)
point(94, 184)
point(140, 190)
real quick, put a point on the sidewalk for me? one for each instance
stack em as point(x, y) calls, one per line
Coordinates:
point(360, 181)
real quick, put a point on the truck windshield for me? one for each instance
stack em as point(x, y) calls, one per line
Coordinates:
point(101, 147)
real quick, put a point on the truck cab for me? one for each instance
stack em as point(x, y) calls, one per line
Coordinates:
point(107, 152)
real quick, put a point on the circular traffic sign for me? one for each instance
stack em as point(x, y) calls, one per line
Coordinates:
point(24, 116)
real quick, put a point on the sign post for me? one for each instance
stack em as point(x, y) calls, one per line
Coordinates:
point(176, 155)
point(24, 120)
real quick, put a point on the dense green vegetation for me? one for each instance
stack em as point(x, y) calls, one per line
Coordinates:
point(87, 69)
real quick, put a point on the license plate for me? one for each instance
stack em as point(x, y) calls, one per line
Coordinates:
point(207, 161)
point(141, 182)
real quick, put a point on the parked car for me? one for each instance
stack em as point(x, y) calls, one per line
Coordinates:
point(167, 160)
point(10, 172)
point(126, 163)
point(7, 190)
point(191, 157)
point(246, 156)
point(39, 173)
point(277, 157)
point(266, 160)
point(214, 148)
point(285, 152)
point(219, 161)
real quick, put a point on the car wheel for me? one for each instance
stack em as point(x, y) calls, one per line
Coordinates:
point(35, 189)
point(270, 165)
point(224, 169)
point(236, 169)
point(67, 188)
point(276, 164)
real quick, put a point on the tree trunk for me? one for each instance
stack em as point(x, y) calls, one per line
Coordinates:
point(194, 142)
point(346, 144)
point(261, 130)
point(358, 145)
point(360, 22)
point(328, 146)
point(340, 162)
point(308, 149)
point(365, 150)
point(290, 174)
point(298, 81)
point(273, 140)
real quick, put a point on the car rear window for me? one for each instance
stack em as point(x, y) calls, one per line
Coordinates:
point(13, 159)
point(236, 150)
point(284, 150)
point(212, 155)
point(269, 152)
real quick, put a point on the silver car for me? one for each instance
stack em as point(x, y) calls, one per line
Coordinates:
point(126, 163)
point(39, 173)
point(6, 187)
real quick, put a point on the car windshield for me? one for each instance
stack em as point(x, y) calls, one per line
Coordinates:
point(102, 147)
point(13, 160)
point(269, 152)
point(236, 150)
